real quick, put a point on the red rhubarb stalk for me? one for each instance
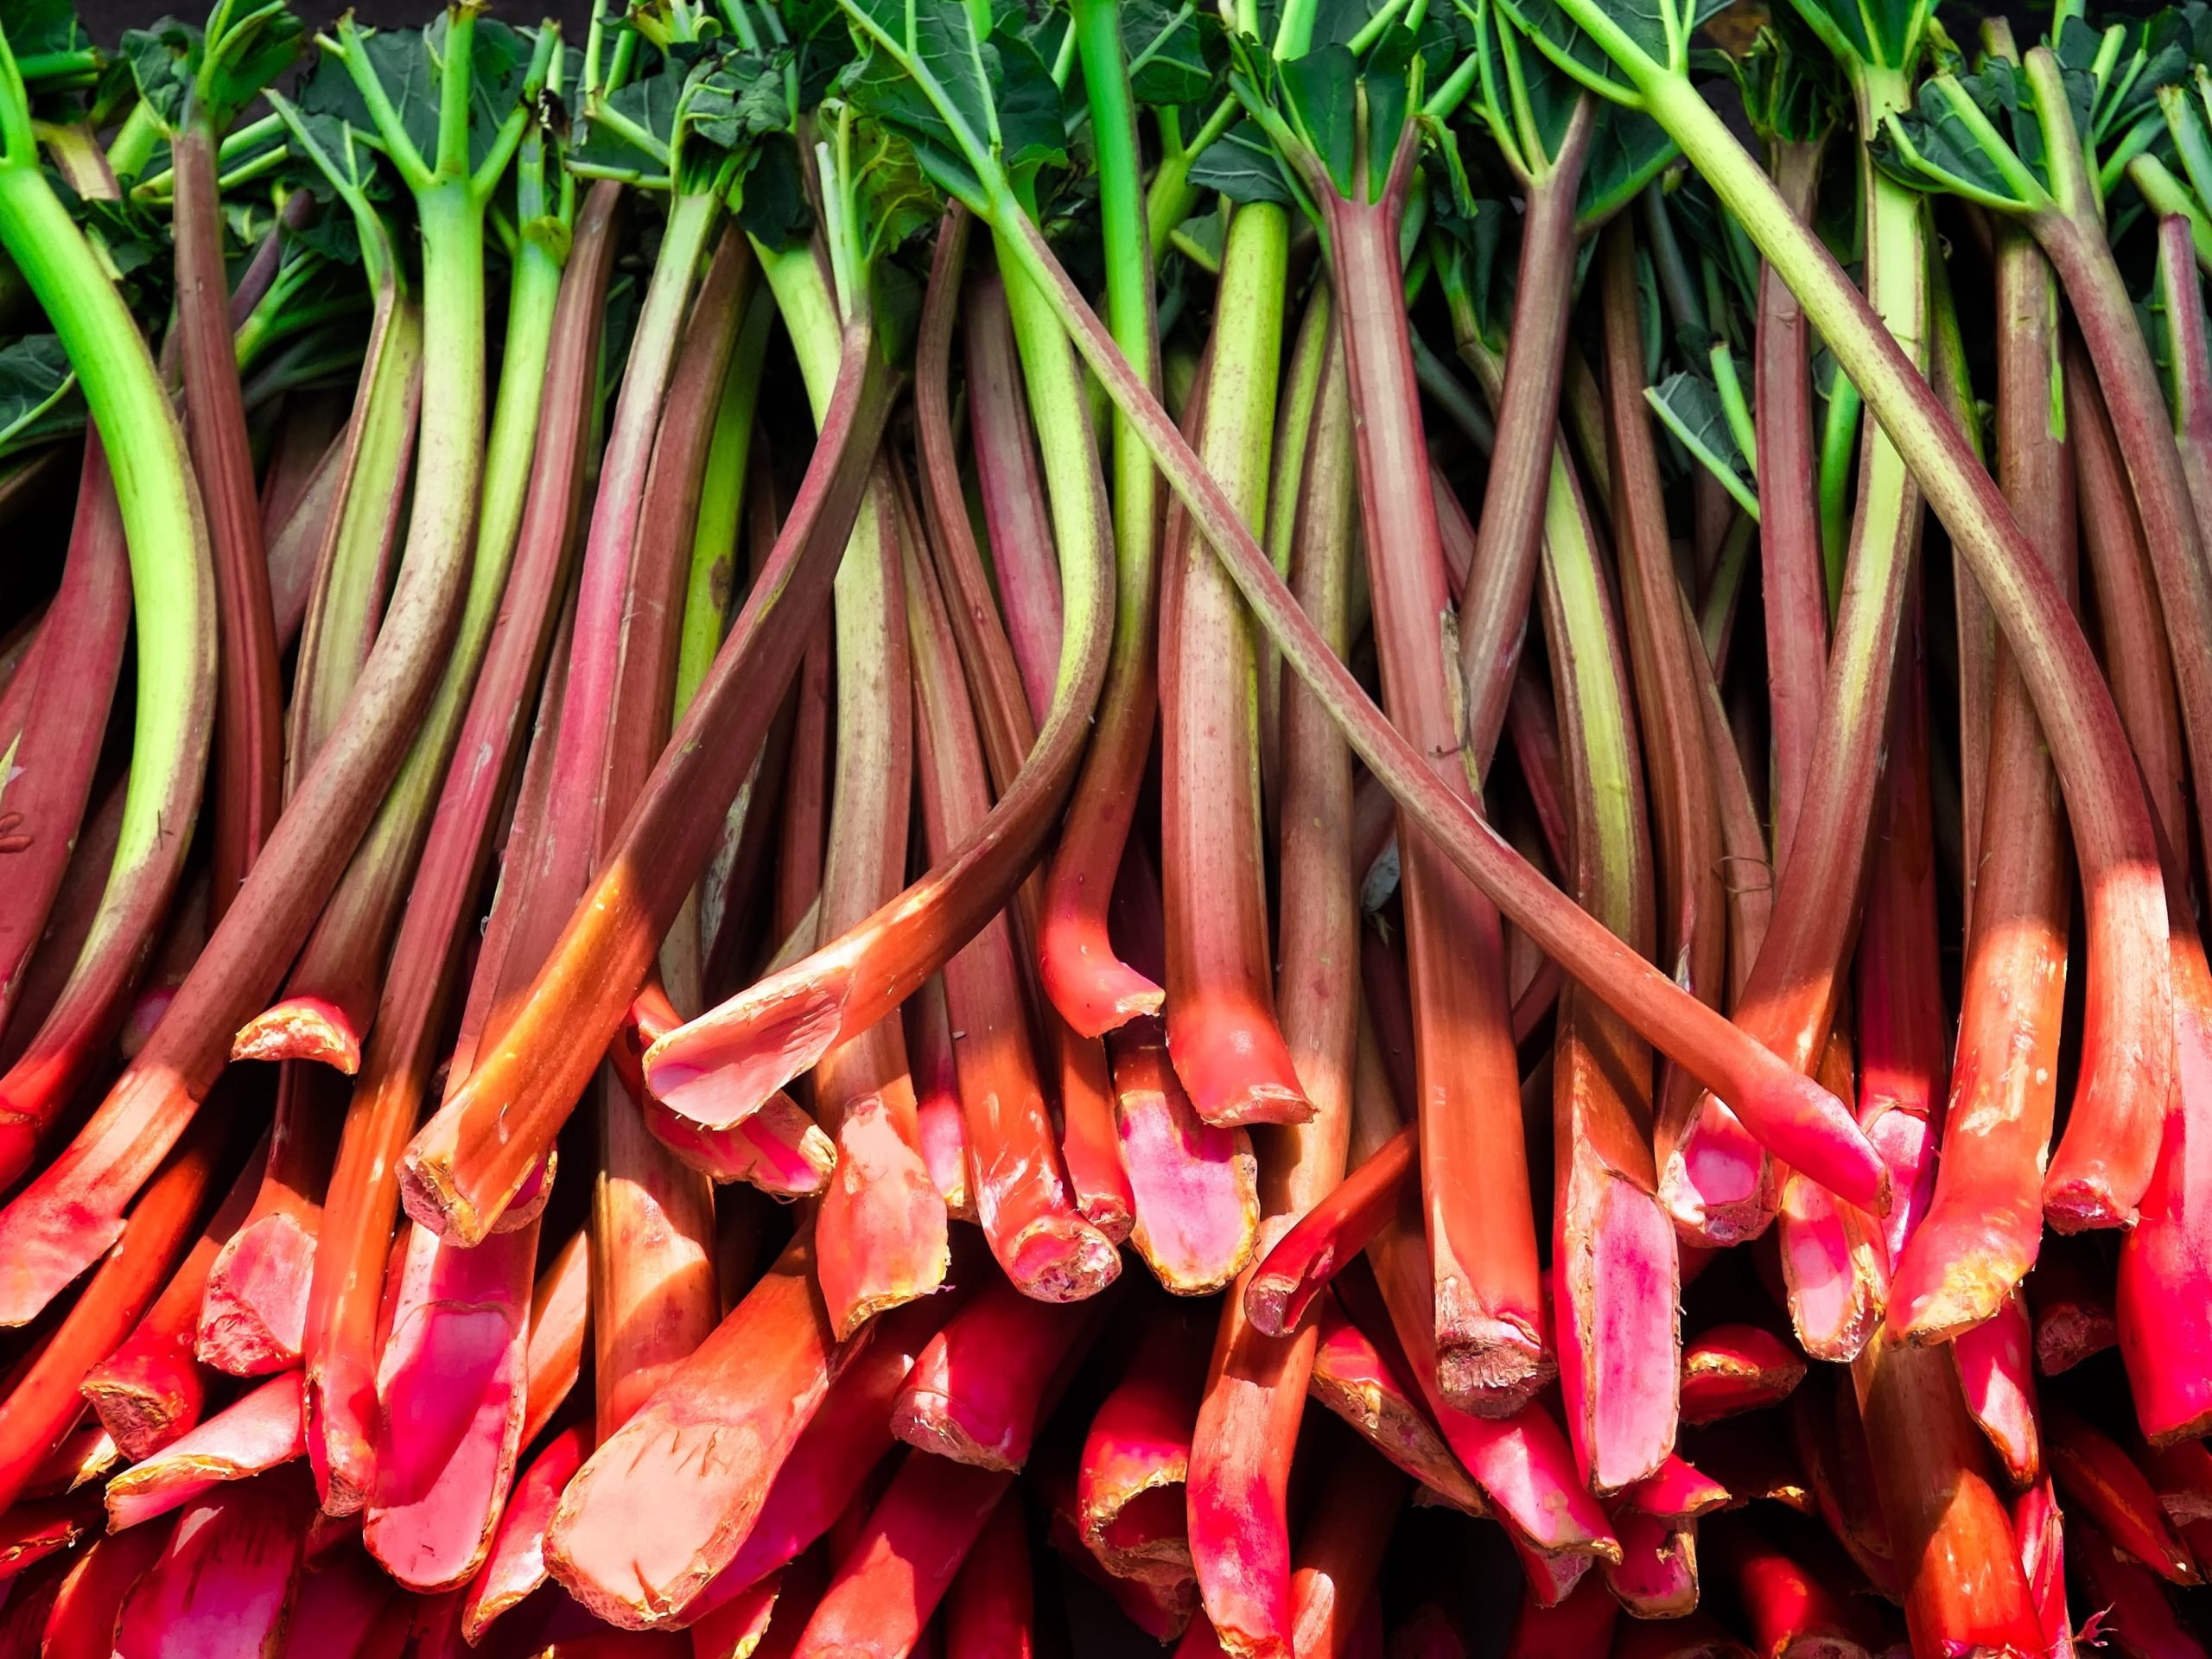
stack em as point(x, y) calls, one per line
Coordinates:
point(258, 1431)
point(460, 1169)
point(2096, 1473)
point(253, 1311)
point(44, 1400)
point(364, 1196)
point(52, 753)
point(74, 1210)
point(1730, 1369)
point(515, 1566)
point(1193, 1185)
point(560, 1319)
point(829, 1467)
point(149, 1389)
point(225, 1583)
point(1984, 1223)
point(451, 1386)
point(1996, 1362)
point(1136, 1456)
point(1340, 1552)
point(1488, 1324)
point(1258, 1380)
point(1367, 1381)
point(720, 1426)
point(2070, 1293)
point(1020, 1188)
point(989, 1612)
point(1329, 1235)
point(887, 1587)
point(82, 1624)
point(936, 1097)
point(979, 1390)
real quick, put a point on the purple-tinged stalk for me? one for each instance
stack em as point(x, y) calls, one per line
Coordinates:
point(468, 1164)
point(1792, 583)
point(167, 535)
point(1736, 1068)
point(1011, 487)
point(364, 1194)
point(1089, 984)
point(74, 1210)
point(52, 745)
point(249, 703)
point(1194, 1199)
point(1489, 1339)
point(1984, 1223)
point(1493, 619)
point(1223, 1030)
point(1019, 1187)
point(717, 1068)
point(1713, 1181)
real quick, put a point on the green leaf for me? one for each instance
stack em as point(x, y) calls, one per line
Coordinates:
point(39, 397)
point(1031, 132)
point(1241, 165)
point(1321, 90)
point(1175, 53)
point(35, 27)
point(1628, 150)
point(164, 60)
point(1690, 406)
point(1883, 34)
point(1657, 29)
point(771, 202)
point(410, 66)
point(647, 103)
point(1974, 135)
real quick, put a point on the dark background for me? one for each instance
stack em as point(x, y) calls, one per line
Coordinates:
point(107, 19)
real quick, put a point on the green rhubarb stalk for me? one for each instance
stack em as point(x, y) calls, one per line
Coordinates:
point(173, 600)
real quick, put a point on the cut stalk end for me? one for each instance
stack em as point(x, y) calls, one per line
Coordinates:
point(719, 1070)
point(302, 1028)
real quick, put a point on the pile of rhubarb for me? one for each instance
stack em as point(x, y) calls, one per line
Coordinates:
point(1335, 829)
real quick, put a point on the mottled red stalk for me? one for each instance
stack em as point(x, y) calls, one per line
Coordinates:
point(149, 1389)
point(989, 1612)
point(224, 1584)
point(253, 1312)
point(2041, 1531)
point(256, 1434)
point(460, 1169)
point(2096, 1473)
point(1985, 1223)
point(1996, 1364)
point(1193, 1185)
point(1136, 1455)
point(829, 1467)
point(1369, 1383)
point(69, 923)
point(89, 1602)
point(451, 1388)
point(43, 1401)
point(1729, 1368)
point(982, 1386)
point(515, 1566)
point(2070, 1295)
point(54, 744)
point(1332, 1233)
point(888, 1585)
point(718, 1429)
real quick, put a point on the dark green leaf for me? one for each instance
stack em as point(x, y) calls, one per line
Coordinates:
point(771, 192)
point(1689, 405)
point(38, 392)
point(37, 27)
point(163, 61)
point(1322, 93)
point(1174, 52)
point(1241, 165)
